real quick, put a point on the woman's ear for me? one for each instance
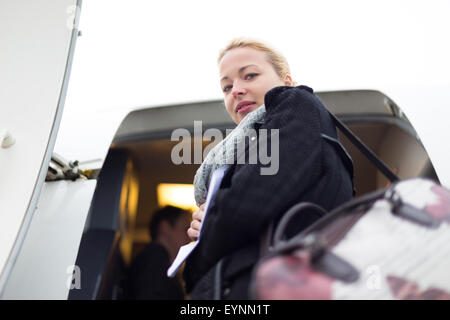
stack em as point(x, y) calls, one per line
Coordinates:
point(288, 80)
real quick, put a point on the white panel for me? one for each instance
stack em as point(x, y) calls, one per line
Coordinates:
point(34, 50)
point(52, 242)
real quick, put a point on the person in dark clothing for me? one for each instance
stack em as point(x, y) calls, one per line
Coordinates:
point(147, 273)
point(313, 167)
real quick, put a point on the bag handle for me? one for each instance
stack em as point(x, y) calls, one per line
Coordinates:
point(364, 149)
point(291, 213)
point(270, 241)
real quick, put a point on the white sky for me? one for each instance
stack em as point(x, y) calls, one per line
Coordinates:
point(143, 53)
point(138, 53)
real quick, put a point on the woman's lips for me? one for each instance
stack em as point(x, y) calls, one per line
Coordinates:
point(246, 108)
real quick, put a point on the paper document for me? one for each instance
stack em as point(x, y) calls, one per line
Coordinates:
point(186, 250)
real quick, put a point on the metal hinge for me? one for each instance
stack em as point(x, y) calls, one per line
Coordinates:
point(62, 169)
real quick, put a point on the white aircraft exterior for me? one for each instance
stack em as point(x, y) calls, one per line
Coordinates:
point(42, 222)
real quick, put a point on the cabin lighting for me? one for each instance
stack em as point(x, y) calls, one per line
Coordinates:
point(178, 195)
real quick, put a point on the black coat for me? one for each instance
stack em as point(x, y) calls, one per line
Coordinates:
point(313, 167)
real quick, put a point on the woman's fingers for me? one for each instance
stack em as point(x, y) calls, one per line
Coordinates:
point(196, 222)
point(192, 234)
point(195, 225)
point(194, 230)
point(197, 215)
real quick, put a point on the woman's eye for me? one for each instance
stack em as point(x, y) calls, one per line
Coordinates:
point(227, 88)
point(250, 76)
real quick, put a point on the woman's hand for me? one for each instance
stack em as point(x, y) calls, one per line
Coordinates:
point(197, 218)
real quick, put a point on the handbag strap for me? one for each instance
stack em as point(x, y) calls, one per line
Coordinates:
point(271, 239)
point(364, 149)
point(296, 209)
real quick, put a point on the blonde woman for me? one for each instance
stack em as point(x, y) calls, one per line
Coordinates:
point(260, 95)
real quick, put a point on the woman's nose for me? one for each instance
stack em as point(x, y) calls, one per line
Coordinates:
point(237, 89)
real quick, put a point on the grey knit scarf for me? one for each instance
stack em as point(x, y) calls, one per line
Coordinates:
point(221, 155)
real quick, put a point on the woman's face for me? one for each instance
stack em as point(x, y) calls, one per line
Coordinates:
point(245, 77)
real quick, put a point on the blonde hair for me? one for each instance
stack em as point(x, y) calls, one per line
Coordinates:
point(277, 60)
